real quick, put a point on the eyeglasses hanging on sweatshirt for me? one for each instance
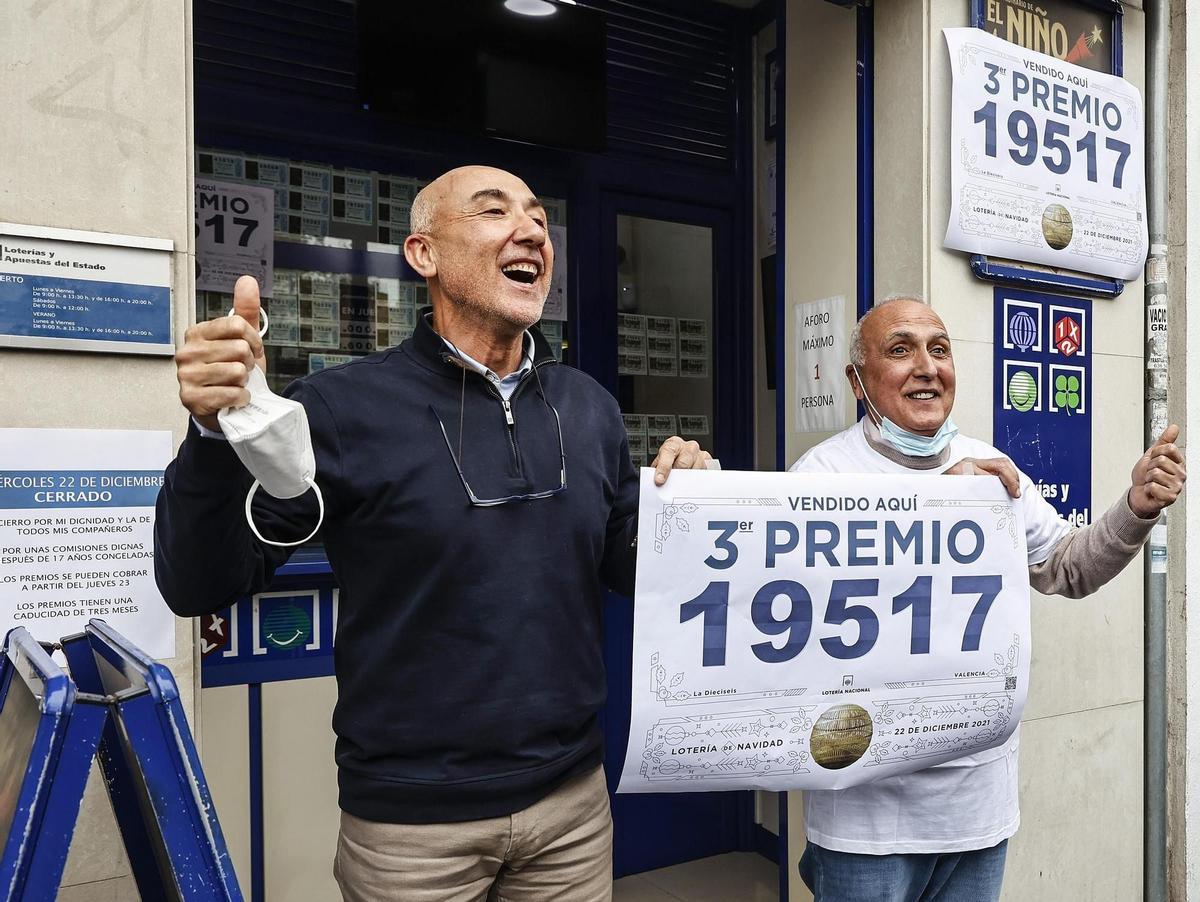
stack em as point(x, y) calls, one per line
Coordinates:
point(457, 457)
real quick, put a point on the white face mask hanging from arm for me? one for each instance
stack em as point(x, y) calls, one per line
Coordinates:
point(270, 436)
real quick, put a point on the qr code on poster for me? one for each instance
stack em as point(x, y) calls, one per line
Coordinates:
point(1010, 683)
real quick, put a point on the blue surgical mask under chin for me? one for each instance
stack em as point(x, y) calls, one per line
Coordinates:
point(917, 445)
point(910, 443)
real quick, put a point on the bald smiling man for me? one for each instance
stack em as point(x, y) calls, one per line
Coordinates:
point(941, 834)
point(478, 499)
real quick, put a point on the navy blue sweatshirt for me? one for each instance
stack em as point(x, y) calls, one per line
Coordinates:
point(468, 648)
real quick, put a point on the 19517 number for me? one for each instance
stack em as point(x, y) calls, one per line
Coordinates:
point(1023, 134)
point(796, 626)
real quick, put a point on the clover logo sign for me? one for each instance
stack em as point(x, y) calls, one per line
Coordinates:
point(1066, 392)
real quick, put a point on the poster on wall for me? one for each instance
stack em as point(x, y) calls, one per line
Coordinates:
point(1042, 407)
point(820, 631)
point(821, 355)
point(1047, 160)
point(77, 533)
point(71, 290)
point(235, 235)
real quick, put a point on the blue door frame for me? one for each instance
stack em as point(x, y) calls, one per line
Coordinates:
point(657, 830)
point(732, 317)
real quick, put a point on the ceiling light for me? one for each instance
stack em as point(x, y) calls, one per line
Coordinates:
point(530, 7)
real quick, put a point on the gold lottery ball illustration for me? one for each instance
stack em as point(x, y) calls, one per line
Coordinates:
point(1057, 227)
point(841, 736)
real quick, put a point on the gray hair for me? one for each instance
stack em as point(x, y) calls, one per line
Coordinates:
point(420, 216)
point(857, 354)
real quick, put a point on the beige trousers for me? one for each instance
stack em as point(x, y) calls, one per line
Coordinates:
point(559, 848)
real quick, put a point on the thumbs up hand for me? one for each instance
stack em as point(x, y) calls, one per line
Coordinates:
point(248, 305)
point(214, 362)
point(1158, 476)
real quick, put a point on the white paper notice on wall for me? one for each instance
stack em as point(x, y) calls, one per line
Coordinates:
point(77, 533)
point(821, 355)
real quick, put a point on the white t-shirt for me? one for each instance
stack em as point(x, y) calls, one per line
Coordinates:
point(968, 803)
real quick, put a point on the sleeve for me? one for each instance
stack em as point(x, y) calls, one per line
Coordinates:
point(620, 547)
point(205, 556)
point(1085, 559)
point(208, 433)
point(1044, 528)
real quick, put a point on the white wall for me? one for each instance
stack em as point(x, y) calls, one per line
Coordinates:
point(820, 183)
point(1081, 768)
point(820, 235)
point(97, 136)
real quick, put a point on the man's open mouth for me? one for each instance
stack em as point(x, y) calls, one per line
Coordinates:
point(525, 273)
point(922, 395)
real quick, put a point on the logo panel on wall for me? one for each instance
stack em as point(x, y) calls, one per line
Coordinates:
point(1041, 410)
point(281, 635)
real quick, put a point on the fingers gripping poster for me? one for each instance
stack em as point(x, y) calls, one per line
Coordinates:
point(815, 632)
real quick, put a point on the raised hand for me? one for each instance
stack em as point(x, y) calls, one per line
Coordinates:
point(215, 360)
point(1158, 476)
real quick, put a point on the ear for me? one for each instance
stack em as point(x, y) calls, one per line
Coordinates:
point(855, 385)
point(419, 254)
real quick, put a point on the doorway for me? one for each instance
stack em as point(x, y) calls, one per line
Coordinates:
point(677, 365)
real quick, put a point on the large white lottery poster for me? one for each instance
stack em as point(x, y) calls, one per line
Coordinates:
point(77, 533)
point(1047, 159)
point(818, 631)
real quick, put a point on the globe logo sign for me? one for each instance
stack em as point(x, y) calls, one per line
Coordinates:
point(1022, 391)
point(1022, 330)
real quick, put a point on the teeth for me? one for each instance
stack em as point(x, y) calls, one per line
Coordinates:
point(923, 395)
point(520, 267)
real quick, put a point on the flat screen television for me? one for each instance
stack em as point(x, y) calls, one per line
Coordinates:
point(477, 66)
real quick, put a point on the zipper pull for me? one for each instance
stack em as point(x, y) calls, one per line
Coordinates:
point(508, 417)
